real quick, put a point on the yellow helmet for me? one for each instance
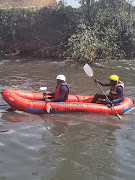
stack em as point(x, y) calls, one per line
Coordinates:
point(114, 78)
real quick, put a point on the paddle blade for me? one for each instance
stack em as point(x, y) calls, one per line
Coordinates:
point(43, 88)
point(48, 107)
point(120, 117)
point(88, 70)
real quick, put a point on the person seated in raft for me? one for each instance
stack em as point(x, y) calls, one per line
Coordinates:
point(116, 94)
point(61, 92)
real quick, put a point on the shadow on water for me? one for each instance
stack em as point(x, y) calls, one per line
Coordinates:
point(72, 146)
point(13, 116)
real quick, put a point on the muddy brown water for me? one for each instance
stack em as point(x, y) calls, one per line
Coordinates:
point(75, 146)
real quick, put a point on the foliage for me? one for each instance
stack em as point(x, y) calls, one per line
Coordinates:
point(112, 31)
point(103, 29)
point(83, 45)
point(36, 32)
point(115, 22)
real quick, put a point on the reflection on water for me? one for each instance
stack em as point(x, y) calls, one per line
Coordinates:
point(65, 146)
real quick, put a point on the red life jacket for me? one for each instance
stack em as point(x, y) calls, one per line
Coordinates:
point(57, 91)
point(113, 92)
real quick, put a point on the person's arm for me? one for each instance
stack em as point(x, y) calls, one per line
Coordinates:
point(51, 93)
point(50, 96)
point(104, 84)
point(63, 90)
point(120, 92)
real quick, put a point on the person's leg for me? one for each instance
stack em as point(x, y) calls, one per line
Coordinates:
point(107, 101)
point(97, 96)
point(42, 99)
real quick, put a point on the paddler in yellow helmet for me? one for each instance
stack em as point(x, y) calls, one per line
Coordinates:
point(116, 94)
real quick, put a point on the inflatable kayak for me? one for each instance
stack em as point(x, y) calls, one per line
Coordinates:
point(27, 102)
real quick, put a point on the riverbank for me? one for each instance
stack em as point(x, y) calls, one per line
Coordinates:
point(71, 33)
point(38, 33)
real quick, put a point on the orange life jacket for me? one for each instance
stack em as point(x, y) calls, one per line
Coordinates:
point(113, 90)
point(57, 91)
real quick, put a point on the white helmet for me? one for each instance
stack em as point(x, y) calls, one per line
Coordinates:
point(61, 77)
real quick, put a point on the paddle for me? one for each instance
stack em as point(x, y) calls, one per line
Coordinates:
point(89, 72)
point(47, 103)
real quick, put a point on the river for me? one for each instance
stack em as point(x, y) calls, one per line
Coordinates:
point(65, 146)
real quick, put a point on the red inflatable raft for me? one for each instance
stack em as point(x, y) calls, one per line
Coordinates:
point(26, 101)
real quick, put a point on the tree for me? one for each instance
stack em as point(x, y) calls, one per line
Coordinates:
point(86, 7)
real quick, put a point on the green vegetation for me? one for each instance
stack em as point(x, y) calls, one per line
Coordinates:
point(107, 31)
point(39, 33)
point(97, 30)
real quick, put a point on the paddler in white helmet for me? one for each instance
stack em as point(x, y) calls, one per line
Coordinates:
point(116, 94)
point(61, 92)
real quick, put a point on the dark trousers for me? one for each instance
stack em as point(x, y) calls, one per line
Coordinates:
point(102, 96)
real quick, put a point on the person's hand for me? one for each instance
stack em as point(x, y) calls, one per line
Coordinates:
point(44, 93)
point(96, 81)
point(112, 102)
